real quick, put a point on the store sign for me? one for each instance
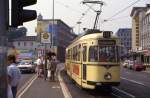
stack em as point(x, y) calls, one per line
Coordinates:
point(147, 53)
point(45, 38)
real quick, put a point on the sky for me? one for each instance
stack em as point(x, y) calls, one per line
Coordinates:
point(71, 11)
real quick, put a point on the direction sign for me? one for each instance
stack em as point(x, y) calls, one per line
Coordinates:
point(46, 38)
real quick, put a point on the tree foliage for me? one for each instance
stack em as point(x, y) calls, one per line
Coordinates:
point(16, 33)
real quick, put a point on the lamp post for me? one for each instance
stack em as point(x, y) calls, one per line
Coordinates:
point(52, 42)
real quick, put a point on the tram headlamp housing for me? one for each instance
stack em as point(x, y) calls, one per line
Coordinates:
point(108, 76)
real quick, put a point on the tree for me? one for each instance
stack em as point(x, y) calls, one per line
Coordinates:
point(16, 33)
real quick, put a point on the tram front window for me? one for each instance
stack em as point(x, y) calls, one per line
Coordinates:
point(102, 54)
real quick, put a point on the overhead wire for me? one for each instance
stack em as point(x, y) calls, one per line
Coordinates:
point(82, 13)
point(67, 6)
point(122, 10)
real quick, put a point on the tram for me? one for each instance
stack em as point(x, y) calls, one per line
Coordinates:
point(93, 59)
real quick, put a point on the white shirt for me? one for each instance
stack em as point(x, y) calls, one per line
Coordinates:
point(38, 62)
point(15, 74)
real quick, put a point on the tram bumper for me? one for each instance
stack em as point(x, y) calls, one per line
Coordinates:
point(103, 83)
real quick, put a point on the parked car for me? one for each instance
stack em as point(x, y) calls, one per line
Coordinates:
point(130, 64)
point(125, 63)
point(138, 67)
point(26, 66)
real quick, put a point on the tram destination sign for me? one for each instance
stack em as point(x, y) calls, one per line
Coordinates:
point(106, 42)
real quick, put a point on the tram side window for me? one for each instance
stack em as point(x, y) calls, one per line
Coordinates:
point(69, 55)
point(75, 53)
point(93, 53)
point(84, 53)
point(78, 52)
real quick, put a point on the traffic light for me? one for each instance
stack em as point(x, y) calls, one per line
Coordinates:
point(20, 15)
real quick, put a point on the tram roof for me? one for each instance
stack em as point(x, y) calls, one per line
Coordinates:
point(92, 34)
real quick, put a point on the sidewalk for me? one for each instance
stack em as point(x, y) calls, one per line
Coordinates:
point(43, 89)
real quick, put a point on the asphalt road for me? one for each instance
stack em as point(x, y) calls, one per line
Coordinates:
point(133, 85)
point(77, 92)
point(24, 79)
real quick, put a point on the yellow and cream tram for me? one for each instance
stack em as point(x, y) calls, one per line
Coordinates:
point(93, 59)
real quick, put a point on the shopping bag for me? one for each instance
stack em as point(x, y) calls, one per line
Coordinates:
point(49, 73)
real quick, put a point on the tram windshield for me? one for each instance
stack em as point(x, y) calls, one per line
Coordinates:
point(103, 54)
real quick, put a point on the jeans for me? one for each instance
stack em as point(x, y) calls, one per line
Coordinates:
point(14, 91)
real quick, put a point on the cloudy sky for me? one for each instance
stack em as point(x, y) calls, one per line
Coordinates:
point(70, 11)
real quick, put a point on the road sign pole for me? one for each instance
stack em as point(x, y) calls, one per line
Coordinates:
point(4, 9)
point(45, 66)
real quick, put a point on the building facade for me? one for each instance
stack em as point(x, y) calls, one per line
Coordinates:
point(28, 48)
point(125, 36)
point(141, 34)
point(62, 34)
point(145, 31)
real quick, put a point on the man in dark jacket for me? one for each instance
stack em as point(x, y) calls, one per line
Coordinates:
point(53, 66)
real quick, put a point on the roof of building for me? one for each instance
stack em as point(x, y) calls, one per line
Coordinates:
point(136, 9)
point(56, 20)
point(124, 30)
point(139, 8)
point(26, 38)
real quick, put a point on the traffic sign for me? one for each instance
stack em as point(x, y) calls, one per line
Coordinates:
point(45, 38)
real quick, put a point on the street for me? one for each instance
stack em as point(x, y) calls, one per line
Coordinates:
point(133, 85)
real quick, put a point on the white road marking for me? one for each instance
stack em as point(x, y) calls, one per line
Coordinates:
point(27, 87)
point(132, 96)
point(116, 95)
point(135, 82)
point(55, 86)
point(63, 86)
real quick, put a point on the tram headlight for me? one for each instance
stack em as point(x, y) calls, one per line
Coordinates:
point(108, 76)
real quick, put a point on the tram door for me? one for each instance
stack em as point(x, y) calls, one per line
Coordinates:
point(84, 60)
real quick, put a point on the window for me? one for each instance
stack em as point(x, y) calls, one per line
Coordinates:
point(93, 53)
point(78, 52)
point(18, 43)
point(24, 43)
point(84, 53)
point(103, 54)
point(31, 43)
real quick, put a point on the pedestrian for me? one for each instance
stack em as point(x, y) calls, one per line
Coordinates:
point(53, 66)
point(49, 68)
point(14, 74)
point(46, 66)
point(39, 67)
point(9, 91)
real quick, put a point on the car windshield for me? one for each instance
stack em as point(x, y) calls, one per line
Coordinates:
point(25, 63)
